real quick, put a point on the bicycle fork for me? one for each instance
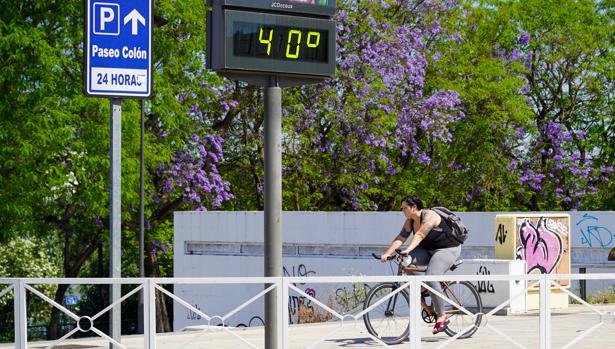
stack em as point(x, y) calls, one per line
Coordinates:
point(391, 302)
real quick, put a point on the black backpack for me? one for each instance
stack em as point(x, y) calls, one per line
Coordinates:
point(459, 232)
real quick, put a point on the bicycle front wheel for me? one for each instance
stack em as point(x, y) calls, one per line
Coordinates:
point(389, 320)
point(466, 296)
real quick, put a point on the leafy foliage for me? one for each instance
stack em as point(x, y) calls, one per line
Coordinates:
point(26, 258)
point(356, 137)
point(476, 105)
point(568, 53)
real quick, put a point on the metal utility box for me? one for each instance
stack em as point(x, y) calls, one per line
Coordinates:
point(543, 242)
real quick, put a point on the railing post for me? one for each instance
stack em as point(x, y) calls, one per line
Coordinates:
point(583, 285)
point(545, 312)
point(149, 314)
point(21, 324)
point(415, 313)
point(282, 295)
point(286, 310)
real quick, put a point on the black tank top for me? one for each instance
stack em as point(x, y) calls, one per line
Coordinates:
point(438, 237)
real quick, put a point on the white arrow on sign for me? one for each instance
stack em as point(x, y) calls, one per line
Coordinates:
point(136, 18)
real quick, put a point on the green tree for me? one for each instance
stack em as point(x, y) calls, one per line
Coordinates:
point(567, 47)
point(21, 258)
point(473, 171)
point(361, 140)
point(54, 142)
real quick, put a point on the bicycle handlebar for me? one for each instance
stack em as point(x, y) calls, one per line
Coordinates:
point(388, 258)
point(400, 252)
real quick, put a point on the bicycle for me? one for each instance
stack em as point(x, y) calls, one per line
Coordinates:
point(389, 321)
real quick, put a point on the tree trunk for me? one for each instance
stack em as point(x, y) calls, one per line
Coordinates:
point(162, 316)
point(152, 269)
point(54, 325)
point(69, 271)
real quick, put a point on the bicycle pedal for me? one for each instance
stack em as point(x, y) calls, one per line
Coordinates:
point(427, 318)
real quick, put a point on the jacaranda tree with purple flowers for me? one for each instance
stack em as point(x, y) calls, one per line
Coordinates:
point(471, 171)
point(430, 98)
point(565, 156)
point(477, 105)
point(361, 139)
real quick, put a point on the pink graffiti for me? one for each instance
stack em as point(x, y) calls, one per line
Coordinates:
point(540, 247)
point(310, 292)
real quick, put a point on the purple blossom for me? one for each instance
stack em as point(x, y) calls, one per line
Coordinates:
point(515, 54)
point(551, 165)
point(193, 172)
point(377, 108)
point(98, 221)
point(524, 39)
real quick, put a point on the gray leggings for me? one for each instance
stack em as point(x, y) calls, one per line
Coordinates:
point(437, 262)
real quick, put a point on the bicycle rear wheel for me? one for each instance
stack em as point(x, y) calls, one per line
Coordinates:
point(390, 320)
point(464, 294)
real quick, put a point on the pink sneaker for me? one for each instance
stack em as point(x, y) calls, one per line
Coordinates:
point(440, 325)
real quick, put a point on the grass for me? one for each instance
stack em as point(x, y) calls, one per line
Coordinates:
point(606, 296)
point(603, 297)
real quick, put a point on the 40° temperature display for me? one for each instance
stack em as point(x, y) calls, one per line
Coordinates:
point(280, 42)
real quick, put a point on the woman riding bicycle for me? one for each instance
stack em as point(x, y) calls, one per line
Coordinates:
point(431, 246)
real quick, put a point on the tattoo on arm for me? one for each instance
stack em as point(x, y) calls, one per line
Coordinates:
point(430, 222)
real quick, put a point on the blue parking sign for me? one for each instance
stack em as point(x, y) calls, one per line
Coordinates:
point(118, 48)
point(71, 300)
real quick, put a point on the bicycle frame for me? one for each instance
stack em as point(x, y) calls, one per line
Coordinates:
point(394, 311)
point(429, 309)
point(392, 301)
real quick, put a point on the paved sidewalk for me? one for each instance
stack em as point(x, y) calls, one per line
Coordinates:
point(522, 332)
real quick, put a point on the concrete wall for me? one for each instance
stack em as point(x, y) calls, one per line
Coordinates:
point(221, 244)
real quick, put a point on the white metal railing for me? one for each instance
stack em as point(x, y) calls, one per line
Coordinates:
point(286, 284)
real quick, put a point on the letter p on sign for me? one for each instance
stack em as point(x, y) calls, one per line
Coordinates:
point(106, 18)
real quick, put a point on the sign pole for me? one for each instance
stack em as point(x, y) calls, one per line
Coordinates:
point(273, 208)
point(273, 46)
point(141, 216)
point(118, 63)
point(115, 218)
point(142, 195)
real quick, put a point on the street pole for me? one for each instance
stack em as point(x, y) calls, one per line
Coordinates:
point(141, 217)
point(142, 195)
point(115, 218)
point(273, 209)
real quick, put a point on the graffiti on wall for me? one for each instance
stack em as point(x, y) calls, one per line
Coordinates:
point(254, 320)
point(192, 315)
point(300, 307)
point(544, 244)
point(541, 248)
point(593, 233)
point(500, 235)
point(484, 286)
point(351, 298)
point(541, 244)
point(299, 270)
